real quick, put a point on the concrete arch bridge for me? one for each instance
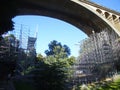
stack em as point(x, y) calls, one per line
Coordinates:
point(83, 14)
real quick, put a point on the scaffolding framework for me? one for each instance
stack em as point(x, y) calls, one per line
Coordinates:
point(99, 50)
point(31, 43)
point(23, 44)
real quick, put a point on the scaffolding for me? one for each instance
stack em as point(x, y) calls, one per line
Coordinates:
point(23, 44)
point(31, 43)
point(100, 49)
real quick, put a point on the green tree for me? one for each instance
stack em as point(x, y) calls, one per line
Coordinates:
point(40, 57)
point(8, 56)
point(56, 48)
point(53, 71)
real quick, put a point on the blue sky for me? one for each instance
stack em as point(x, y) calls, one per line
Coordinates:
point(53, 29)
point(112, 4)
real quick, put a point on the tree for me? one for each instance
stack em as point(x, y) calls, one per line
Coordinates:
point(40, 57)
point(56, 48)
point(53, 71)
point(8, 56)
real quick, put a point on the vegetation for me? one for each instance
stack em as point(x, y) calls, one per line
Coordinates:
point(102, 85)
point(8, 57)
point(23, 85)
point(56, 49)
point(53, 71)
point(50, 72)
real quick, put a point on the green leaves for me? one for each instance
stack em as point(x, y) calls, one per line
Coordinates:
point(105, 85)
point(53, 71)
point(57, 50)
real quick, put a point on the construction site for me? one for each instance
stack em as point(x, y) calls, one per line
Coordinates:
point(99, 57)
point(19, 44)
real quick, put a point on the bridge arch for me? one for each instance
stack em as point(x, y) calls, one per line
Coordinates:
point(76, 12)
point(93, 7)
point(81, 16)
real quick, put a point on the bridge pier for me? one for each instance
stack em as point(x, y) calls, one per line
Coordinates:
point(84, 14)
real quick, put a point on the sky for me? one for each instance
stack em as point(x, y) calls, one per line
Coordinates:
point(49, 29)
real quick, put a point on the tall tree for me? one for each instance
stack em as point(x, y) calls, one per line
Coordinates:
point(54, 71)
point(56, 48)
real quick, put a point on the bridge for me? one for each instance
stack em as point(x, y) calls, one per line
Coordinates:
point(85, 15)
point(102, 48)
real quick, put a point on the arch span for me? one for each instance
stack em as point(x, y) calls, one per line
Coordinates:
point(66, 10)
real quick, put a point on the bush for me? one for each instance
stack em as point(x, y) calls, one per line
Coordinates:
point(23, 85)
point(84, 87)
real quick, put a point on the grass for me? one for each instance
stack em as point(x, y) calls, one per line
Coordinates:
point(105, 85)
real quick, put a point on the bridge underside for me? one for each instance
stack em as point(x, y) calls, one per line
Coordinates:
point(65, 10)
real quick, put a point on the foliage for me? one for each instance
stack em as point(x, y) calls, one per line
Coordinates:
point(40, 57)
point(52, 73)
point(29, 69)
point(84, 87)
point(23, 85)
point(56, 48)
point(106, 85)
point(8, 56)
